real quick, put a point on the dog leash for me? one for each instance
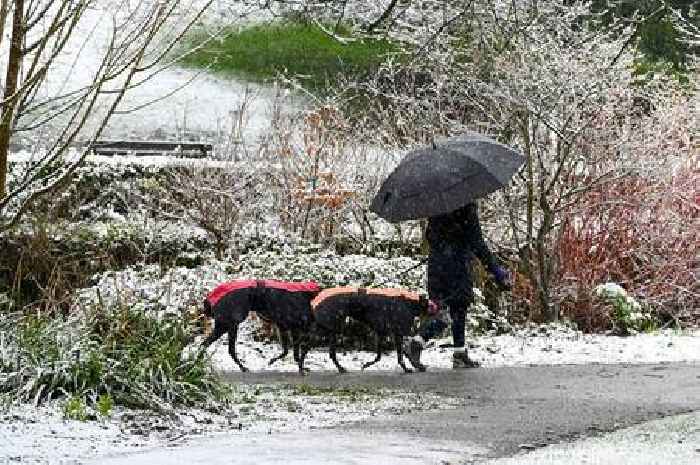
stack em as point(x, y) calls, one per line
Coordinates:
point(420, 263)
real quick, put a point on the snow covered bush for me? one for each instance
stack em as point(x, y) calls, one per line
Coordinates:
point(481, 319)
point(330, 269)
point(174, 291)
point(640, 229)
point(44, 262)
point(627, 315)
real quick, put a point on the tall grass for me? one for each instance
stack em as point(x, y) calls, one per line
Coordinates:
point(262, 51)
point(135, 358)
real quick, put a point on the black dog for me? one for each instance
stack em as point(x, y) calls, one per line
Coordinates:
point(389, 312)
point(286, 304)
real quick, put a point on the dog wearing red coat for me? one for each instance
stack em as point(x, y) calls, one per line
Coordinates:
point(286, 304)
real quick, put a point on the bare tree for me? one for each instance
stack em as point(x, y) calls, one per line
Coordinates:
point(534, 75)
point(217, 198)
point(136, 38)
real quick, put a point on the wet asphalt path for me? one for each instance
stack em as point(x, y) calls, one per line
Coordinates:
point(506, 409)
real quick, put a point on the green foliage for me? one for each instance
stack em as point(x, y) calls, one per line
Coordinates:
point(260, 52)
point(75, 409)
point(657, 39)
point(104, 405)
point(628, 315)
point(106, 356)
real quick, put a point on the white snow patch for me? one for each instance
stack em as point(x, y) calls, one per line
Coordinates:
point(325, 447)
point(40, 435)
point(673, 440)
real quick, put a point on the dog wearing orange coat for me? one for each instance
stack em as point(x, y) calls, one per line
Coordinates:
point(389, 312)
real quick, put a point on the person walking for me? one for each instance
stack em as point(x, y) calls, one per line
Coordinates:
point(442, 182)
point(453, 239)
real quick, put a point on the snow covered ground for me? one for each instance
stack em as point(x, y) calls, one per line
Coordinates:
point(673, 440)
point(42, 435)
point(548, 345)
point(660, 442)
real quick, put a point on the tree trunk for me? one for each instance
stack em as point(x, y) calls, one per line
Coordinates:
point(384, 16)
point(9, 98)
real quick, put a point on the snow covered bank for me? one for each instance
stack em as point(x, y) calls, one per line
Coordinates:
point(42, 435)
point(182, 288)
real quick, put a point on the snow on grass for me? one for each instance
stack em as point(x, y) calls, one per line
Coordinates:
point(181, 101)
point(42, 435)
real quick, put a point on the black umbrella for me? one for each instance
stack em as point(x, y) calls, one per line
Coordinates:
point(442, 178)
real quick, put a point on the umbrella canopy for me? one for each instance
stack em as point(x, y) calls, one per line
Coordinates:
point(439, 179)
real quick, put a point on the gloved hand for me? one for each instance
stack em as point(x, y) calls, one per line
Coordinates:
point(502, 278)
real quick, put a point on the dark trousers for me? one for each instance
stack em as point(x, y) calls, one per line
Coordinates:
point(449, 285)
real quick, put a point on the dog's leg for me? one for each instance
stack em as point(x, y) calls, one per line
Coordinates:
point(296, 347)
point(301, 347)
point(218, 331)
point(284, 340)
point(331, 352)
point(233, 332)
point(379, 353)
point(398, 342)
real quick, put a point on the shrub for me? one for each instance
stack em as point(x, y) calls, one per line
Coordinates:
point(105, 355)
point(627, 315)
point(75, 409)
point(104, 405)
point(641, 233)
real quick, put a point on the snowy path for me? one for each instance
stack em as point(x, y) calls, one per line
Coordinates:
point(322, 447)
point(509, 411)
point(528, 415)
point(659, 442)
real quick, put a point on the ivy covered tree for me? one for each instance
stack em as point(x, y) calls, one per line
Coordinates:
point(655, 35)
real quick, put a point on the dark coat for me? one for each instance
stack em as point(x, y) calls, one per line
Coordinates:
point(286, 304)
point(453, 239)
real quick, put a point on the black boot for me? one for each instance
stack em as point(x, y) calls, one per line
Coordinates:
point(460, 359)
